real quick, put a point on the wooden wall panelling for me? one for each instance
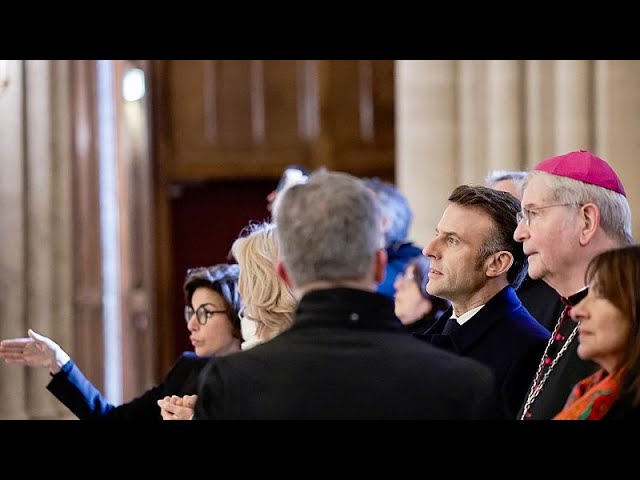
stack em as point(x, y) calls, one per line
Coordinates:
point(89, 339)
point(383, 94)
point(35, 270)
point(324, 144)
point(308, 103)
point(251, 118)
point(162, 157)
point(12, 230)
point(136, 239)
point(361, 116)
point(39, 165)
point(238, 117)
point(128, 263)
point(290, 115)
point(235, 118)
point(62, 216)
point(283, 107)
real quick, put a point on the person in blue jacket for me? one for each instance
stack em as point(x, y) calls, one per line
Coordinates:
point(397, 216)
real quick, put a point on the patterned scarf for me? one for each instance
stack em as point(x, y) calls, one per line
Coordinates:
point(592, 397)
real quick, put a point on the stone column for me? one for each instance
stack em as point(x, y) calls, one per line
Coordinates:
point(574, 105)
point(540, 111)
point(504, 121)
point(472, 111)
point(426, 139)
point(616, 125)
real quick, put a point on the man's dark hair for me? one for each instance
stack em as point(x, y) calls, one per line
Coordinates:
point(502, 207)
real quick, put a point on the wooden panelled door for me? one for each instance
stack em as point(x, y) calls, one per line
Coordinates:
point(207, 218)
point(224, 130)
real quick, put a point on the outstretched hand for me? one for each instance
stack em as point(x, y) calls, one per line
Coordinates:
point(33, 351)
point(177, 408)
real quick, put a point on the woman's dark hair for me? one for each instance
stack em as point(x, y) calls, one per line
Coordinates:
point(615, 274)
point(221, 278)
point(421, 277)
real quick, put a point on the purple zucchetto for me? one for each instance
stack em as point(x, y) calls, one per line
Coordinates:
point(583, 166)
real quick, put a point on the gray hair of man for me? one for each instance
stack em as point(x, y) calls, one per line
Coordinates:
point(494, 177)
point(330, 230)
point(396, 209)
point(615, 213)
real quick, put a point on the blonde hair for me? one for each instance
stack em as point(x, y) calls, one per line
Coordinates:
point(266, 298)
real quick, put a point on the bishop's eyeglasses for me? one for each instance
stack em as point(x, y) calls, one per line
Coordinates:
point(203, 313)
point(528, 213)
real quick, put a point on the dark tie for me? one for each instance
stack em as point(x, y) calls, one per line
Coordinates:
point(449, 327)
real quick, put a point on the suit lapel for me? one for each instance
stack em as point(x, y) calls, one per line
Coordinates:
point(473, 330)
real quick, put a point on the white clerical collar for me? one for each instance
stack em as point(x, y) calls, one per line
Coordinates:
point(465, 317)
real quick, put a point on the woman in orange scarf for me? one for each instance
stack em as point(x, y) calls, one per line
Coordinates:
point(609, 335)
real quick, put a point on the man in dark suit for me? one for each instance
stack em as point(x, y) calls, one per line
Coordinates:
point(477, 265)
point(346, 355)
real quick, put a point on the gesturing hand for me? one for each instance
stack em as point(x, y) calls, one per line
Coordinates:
point(33, 351)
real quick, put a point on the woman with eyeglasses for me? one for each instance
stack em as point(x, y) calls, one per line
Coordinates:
point(414, 306)
point(212, 316)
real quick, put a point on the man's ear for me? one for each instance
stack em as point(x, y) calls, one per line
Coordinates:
point(498, 263)
point(380, 265)
point(281, 270)
point(590, 218)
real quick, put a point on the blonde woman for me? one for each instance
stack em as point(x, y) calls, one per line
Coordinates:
point(268, 304)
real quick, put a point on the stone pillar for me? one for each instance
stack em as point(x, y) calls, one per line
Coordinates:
point(426, 139)
point(540, 111)
point(472, 111)
point(449, 132)
point(574, 101)
point(504, 121)
point(617, 130)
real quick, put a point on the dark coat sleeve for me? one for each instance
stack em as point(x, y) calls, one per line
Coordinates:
point(210, 393)
point(77, 393)
point(519, 378)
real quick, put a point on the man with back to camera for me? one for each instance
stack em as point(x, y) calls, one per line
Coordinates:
point(346, 356)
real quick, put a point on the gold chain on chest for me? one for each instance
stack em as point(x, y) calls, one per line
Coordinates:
point(538, 382)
